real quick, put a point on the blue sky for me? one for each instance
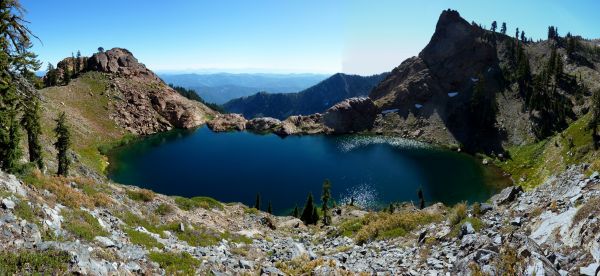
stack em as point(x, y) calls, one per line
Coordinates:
point(355, 36)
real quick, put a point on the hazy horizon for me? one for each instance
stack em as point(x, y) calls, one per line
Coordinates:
point(268, 36)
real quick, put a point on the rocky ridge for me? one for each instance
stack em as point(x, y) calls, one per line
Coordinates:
point(143, 103)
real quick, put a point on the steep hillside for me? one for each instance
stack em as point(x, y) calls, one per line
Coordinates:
point(484, 91)
point(113, 96)
point(315, 99)
point(221, 87)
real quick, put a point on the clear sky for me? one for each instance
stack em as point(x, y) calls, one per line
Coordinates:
point(308, 36)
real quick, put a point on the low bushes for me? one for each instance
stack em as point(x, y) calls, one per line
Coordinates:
point(175, 263)
point(26, 262)
point(82, 224)
point(384, 225)
point(197, 202)
point(141, 195)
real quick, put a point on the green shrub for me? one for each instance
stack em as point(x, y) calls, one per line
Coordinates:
point(24, 211)
point(251, 211)
point(25, 262)
point(141, 195)
point(143, 239)
point(175, 263)
point(475, 222)
point(385, 225)
point(196, 202)
point(459, 213)
point(82, 224)
point(163, 209)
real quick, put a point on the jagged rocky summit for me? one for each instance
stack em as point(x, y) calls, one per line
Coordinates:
point(143, 103)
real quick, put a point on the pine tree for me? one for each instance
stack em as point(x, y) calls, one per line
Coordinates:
point(15, 58)
point(66, 76)
point(517, 34)
point(295, 213)
point(270, 208)
point(523, 38)
point(421, 198)
point(50, 79)
point(315, 215)
point(307, 213)
point(257, 202)
point(503, 28)
point(78, 62)
point(494, 26)
point(31, 124)
point(62, 145)
point(325, 196)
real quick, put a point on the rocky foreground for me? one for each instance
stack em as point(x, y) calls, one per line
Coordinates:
point(105, 229)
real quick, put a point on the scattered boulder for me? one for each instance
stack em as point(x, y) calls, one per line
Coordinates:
point(8, 204)
point(507, 195)
point(227, 122)
point(351, 115)
point(263, 124)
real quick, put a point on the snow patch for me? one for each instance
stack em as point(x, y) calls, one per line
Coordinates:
point(452, 94)
point(389, 111)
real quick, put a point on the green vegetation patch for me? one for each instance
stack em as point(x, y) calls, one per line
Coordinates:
point(176, 263)
point(26, 262)
point(163, 209)
point(143, 239)
point(384, 225)
point(82, 224)
point(592, 207)
point(141, 195)
point(477, 224)
point(196, 202)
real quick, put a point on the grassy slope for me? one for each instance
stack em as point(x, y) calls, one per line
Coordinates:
point(86, 102)
point(535, 162)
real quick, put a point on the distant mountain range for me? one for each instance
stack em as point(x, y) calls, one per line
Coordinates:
point(222, 87)
point(312, 100)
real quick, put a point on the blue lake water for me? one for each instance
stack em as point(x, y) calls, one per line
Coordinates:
point(234, 166)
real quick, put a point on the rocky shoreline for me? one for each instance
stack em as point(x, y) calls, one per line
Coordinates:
point(550, 230)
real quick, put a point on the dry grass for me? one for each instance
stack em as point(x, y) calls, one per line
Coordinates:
point(592, 207)
point(459, 213)
point(141, 195)
point(304, 266)
point(385, 226)
point(88, 195)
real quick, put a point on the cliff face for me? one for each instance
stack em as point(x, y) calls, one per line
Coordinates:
point(434, 94)
point(143, 103)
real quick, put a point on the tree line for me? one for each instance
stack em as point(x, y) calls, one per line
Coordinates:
point(20, 110)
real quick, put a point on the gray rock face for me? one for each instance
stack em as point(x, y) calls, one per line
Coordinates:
point(263, 124)
point(8, 204)
point(227, 122)
point(118, 61)
point(507, 195)
point(351, 115)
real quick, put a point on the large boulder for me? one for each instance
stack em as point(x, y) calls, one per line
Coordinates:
point(351, 115)
point(227, 122)
point(507, 195)
point(263, 124)
point(118, 61)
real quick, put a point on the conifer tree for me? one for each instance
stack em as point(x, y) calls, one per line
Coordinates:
point(517, 34)
point(15, 59)
point(63, 136)
point(421, 198)
point(307, 213)
point(270, 208)
point(50, 75)
point(31, 124)
point(325, 196)
point(494, 26)
point(315, 216)
point(78, 62)
point(66, 76)
point(257, 202)
point(523, 38)
point(503, 28)
point(296, 213)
